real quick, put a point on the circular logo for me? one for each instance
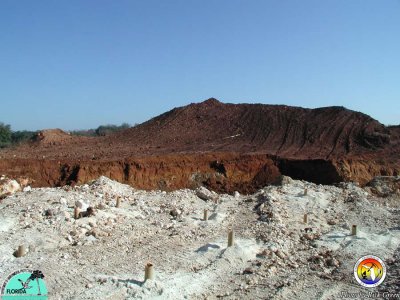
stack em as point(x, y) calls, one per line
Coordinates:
point(370, 271)
point(23, 283)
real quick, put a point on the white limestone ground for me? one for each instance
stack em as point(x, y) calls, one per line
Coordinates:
point(276, 255)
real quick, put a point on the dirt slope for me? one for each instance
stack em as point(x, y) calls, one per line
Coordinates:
point(224, 146)
point(274, 129)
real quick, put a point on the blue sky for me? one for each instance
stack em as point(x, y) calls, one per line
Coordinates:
point(78, 64)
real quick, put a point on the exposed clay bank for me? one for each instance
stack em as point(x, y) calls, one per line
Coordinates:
point(226, 147)
point(222, 172)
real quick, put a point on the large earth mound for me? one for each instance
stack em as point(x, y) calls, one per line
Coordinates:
point(223, 146)
point(274, 129)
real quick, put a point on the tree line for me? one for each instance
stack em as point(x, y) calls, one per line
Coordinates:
point(8, 137)
point(102, 130)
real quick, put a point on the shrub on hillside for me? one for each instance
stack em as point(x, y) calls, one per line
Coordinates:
point(5, 135)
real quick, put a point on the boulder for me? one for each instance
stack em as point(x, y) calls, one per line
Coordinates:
point(27, 188)
point(8, 187)
point(204, 194)
point(82, 205)
point(284, 180)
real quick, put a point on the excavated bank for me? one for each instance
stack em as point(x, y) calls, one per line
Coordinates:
point(222, 172)
point(226, 147)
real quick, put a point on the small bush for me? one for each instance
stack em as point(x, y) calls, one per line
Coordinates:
point(5, 135)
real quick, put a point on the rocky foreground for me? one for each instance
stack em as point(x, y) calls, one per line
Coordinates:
point(276, 255)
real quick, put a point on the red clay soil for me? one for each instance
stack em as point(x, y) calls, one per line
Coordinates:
point(224, 146)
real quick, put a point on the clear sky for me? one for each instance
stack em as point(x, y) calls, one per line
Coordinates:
point(78, 64)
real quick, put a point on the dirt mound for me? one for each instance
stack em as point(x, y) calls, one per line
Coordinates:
point(210, 126)
point(52, 136)
point(273, 129)
point(223, 146)
point(49, 143)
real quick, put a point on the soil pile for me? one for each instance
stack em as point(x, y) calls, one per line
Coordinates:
point(274, 129)
point(226, 147)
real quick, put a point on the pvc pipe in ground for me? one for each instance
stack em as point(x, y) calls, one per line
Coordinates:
point(231, 238)
point(76, 212)
point(118, 202)
point(305, 218)
point(205, 217)
point(21, 251)
point(354, 230)
point(148, 271)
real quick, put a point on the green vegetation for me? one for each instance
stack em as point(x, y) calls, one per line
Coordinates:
point(5, 135)
point(18, 137)
point(102, 130)
point(89, 132)
point(107, 129)
point(9, 137)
